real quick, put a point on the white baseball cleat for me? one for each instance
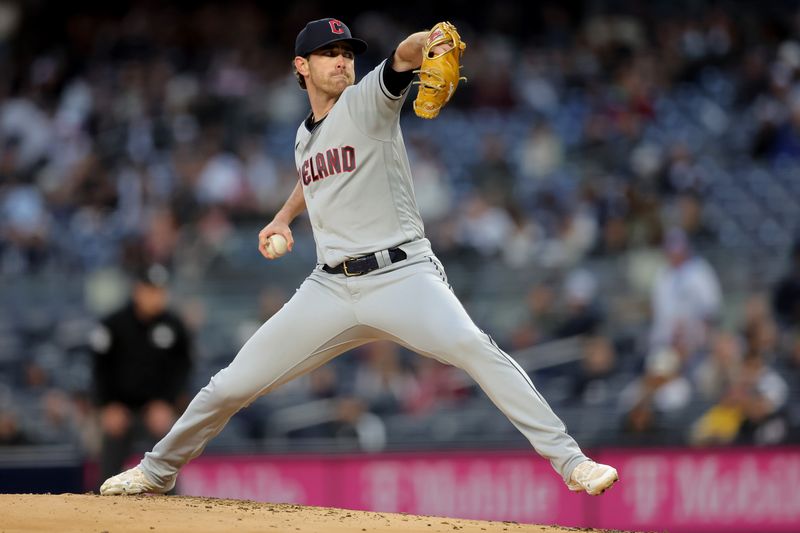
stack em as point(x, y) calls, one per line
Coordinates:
point(132, 481)
point(594, 478)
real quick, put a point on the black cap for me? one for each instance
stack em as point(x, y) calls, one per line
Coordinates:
point(155, 275)
point(322, 32)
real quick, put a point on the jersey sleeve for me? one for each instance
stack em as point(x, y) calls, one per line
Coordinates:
point(372, 106)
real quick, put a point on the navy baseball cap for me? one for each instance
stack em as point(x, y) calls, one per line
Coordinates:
point(322, 32)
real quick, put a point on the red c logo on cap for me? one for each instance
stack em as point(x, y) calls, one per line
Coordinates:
point(336, 26)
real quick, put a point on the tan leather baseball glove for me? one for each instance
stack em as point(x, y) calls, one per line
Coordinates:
point(439, 72)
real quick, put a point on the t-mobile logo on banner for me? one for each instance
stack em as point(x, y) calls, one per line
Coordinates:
point(645, 492)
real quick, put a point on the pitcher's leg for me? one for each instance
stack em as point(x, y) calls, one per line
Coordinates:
point(312, 328)
point(427, 317)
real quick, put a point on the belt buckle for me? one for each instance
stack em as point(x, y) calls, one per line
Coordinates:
point(347, 272)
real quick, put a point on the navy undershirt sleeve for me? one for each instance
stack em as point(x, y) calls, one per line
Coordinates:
point(396, 82)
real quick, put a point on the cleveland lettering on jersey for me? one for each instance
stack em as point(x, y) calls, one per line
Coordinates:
point(328, 163)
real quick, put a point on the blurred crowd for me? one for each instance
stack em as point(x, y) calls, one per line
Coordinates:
point(619, 162)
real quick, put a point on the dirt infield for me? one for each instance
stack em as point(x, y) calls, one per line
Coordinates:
point(180, 514)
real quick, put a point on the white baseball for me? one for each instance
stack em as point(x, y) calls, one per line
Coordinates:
point(277, 243)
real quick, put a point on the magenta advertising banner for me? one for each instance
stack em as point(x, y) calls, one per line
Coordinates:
point(738, 490)
point(486, 486)
point(731, 490)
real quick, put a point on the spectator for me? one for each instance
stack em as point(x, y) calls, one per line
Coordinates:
point(689, 209)
point(721, 423)
point(574, 236)
point(223, 179)
point(142, 361)
point(662, 385)
point(686, 297)
point(641, 426)
point(438, 385)
point(599, 378)
point(750, 411)
point(327, 412)
point(432, 187)
point(523, 241)
point(717, 372)
point(25, 221)
point(484, 228)
point(383, 382)
point(583, 315)
point(541, 154)
point(786, 142)
point(492, 173)
point(786, 294)
point(540, 317)
point(789, 368)
point(11, 434)
point(759, 328)
point(763, 397)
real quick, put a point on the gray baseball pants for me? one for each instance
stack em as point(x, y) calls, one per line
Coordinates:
point(424, 315)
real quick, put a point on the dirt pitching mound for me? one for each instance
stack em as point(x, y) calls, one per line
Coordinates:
point(181, 514)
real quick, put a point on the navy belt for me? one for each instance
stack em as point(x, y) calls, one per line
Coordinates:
point(361, 265)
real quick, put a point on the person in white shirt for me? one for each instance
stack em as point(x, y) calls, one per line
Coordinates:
point(686, 297)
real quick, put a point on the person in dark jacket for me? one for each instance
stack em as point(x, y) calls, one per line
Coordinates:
point(141, 363)
point(786, 294)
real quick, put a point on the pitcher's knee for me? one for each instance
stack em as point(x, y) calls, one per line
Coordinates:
point(224, 391)
point(462, 345)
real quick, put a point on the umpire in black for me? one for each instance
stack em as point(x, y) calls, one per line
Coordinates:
point(142, 359)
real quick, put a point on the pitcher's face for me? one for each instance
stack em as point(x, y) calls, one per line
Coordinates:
point(332, 69)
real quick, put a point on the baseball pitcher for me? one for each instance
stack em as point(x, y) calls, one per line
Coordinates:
point(376, 276)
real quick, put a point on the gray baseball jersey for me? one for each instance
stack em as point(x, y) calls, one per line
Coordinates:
point(355, 174)
point(358, 191)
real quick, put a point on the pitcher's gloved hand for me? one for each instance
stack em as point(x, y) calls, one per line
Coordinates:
point(439, 72)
